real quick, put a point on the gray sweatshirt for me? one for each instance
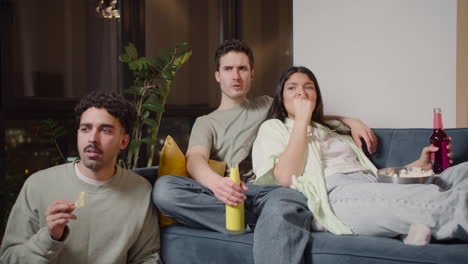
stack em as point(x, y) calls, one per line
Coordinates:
point(118, 223)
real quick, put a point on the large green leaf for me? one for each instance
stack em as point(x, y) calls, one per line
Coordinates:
point(124, 58)
point(59, 132)
point(166, 75)
point(183, 58)
point(149, 100)
point(168, 52)
point(133, 65)
point(136, 143)
point(139, 65)
point(148, 141)
point(155, 91)
point(187, 56)
point(173, 66)
point(140, 83)
point(182, 44)
point(154, 107)
point(131, 50)
point(161, 62)
point(144, 62)
point(150, 122)
point(148, 61)
point(51, 129)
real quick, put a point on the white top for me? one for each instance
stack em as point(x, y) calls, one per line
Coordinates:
point(82, 177)
point(337, 156)
point(272, 138)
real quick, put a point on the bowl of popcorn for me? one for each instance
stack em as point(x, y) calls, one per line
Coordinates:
point(404, 175)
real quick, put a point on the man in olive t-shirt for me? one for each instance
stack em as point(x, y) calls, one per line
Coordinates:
point(230, 132)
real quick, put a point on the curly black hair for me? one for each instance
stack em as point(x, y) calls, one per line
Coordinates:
point(114, 103)
point(233, 45)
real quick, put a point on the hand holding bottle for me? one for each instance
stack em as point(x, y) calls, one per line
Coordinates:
point(235, 223)
point(424, 162)
point(440, 158)
point(228, 191)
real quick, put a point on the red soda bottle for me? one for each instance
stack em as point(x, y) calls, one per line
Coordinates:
point(440, 160)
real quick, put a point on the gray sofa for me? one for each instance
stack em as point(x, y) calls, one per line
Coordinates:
point(181, 244)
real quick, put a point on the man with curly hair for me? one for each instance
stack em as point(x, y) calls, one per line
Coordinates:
point(113, 221)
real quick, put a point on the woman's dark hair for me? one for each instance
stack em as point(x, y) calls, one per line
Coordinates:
point(236, 46)
point(115, 104)
point(277, 109)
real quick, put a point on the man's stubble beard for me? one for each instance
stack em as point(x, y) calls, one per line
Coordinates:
point(92, 164)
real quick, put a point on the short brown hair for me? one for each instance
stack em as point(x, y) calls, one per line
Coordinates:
point(236, 46)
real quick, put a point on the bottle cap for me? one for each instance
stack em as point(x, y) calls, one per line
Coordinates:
point(437, 110)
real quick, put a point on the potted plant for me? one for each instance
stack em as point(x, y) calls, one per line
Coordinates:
point(152, 79)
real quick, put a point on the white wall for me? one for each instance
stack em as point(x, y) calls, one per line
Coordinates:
point(388, 62)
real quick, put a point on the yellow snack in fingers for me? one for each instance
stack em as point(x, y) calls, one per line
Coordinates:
point(81, 200)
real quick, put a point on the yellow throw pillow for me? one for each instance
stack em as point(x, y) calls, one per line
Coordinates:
point(171, 159)
point(172, 162)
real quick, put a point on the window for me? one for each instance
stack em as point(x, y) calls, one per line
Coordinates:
point(266, 26)
point(55, 51)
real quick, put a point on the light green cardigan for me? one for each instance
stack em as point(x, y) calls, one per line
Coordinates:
point(272, 138)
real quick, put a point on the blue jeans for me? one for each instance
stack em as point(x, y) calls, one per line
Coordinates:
point(280, 215)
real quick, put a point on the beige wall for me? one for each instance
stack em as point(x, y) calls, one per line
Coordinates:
point(387, 62)
point(462, 63)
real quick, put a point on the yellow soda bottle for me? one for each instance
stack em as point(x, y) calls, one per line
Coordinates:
point(235, 214)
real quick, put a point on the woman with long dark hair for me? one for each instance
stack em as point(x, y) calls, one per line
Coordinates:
point(296, 147)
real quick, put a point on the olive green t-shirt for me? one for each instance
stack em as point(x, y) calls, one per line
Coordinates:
point(230, 133)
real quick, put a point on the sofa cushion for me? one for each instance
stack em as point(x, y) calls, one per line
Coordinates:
point(204, 246)
point(181, 244)
point(213, 247)
point(172, 162)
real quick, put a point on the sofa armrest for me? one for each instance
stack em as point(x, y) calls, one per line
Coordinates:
point(149, 173)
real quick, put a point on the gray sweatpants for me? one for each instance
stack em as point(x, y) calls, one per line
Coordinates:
point(384, 209)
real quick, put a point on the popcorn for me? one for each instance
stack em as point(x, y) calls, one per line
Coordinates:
point(413, 173)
